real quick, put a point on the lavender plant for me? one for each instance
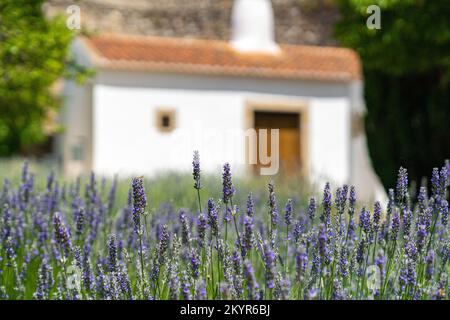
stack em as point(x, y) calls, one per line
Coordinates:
point(77, 240)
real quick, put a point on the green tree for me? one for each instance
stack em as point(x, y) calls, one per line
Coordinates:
point(34, 54)
point(406, 67)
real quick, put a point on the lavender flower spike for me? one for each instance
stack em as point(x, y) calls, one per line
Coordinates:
point(402, 186)
point(196, 170)
point(201, 229)
point(312, 208)
point(269, 261)
point(139, 202)
point(213, 216)
point(250, 205)
point(252, 284)
point(228, 189)
point(273, 207)
point(112, 246)
point(248, 234)
point(61, 234)
point(288, 212)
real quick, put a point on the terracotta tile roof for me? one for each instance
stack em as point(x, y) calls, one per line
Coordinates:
point(215, 57)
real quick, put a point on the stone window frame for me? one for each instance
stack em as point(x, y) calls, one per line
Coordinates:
point(161, 113)
point(301, 107)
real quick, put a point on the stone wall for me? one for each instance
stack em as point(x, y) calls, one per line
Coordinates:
point(297, 21)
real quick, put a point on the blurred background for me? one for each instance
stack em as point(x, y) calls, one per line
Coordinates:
point(405, 65)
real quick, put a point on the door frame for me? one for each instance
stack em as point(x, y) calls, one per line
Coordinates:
point(298, 106)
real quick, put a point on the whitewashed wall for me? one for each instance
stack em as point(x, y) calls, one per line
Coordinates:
point(329, 135)
point(126, 140)
point(76, 118)
point(208, 112)
point(114, 114)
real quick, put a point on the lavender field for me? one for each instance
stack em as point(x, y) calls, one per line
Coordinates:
point(122, 240)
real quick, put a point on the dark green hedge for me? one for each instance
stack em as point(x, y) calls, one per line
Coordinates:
point(407, 82)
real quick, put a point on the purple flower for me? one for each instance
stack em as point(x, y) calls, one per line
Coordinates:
point(376, 216)
point(422, 199)
point(237, 262)
point(301, 260)
point(185, 231)
point(45, 281)
point(312, 293)
point(282, 289)
point(325, 217)
point(340, 201)
point(322, 238)
point(435, 183)
point(402, 186)
point(112, 258)
point(124, 284)
point(364, 220)
point(201, 228)
point(269, 261)
point(343, 262)
point(395, 226)
point(185, 286)
point(444, 211)
point(174, 287)
point(421, 236)
point(312, 208)
point(445, 253)
point(163, 243)
point(196, 170)
point(345, 192)
point(213, 216)
point(248, 234)
point(380, 262)
point(430, 264)
point(61, 233)
point(252, 284)
point(200, 290)
point(288, 212)
point(7, 223)
point(250, 205)
point(228, 189)
point(407, 219)
point(195, 263)
point(360, 251)
point(139, 202)
point(273, 207)
point(299, 229)
point(228, 214)
point(79, 214)
point(411, 273)
point(351, 201)
point(411, 249)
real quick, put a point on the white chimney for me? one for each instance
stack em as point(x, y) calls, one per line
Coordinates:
point(253, 26)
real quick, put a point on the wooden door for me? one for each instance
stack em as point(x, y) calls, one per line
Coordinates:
point(289, 126)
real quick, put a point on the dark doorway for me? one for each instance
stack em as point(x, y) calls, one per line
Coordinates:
point(289, 126)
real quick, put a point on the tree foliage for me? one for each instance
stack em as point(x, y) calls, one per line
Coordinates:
point(34, 54)
point(407, 81)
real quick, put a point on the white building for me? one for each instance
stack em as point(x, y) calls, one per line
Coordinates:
point(155, 100)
